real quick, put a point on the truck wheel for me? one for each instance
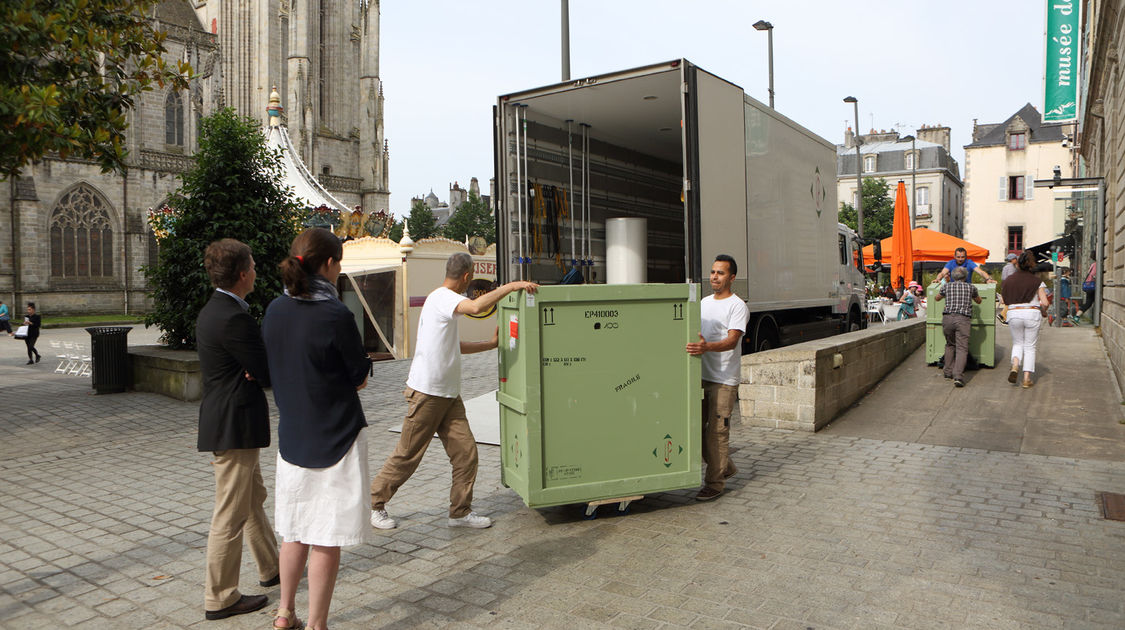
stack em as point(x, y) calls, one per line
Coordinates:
point(853, 320)
point(765, 335)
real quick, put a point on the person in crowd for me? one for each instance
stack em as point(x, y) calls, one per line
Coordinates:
point(1009, 266)
point(234, 425)
point(955, 323)
point(1067, 304)
point(5, 318)
point(1026, 297)
point(961, 260)
point(1088, 287)
point(318, 366)
point(433, 391)
point(1009, 269)
point(908, 303)
point(33, 322)
point(723, 317)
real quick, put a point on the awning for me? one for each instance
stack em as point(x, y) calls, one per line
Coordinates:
point(929, 246)
point(303, 186)
point(1043, 251)
point(361, 268)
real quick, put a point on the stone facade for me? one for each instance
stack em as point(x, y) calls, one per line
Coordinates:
point(77, 238)
point(1004, 212)
point(938, 196)
point(1101, 144)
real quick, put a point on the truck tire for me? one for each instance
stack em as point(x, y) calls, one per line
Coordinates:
point(766, 334)
point(854, 321)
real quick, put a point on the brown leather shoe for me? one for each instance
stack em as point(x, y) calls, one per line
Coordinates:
point(245, 604)
point(707, 494)
point(271, 582)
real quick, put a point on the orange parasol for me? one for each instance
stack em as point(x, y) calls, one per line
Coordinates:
point(902, 245)
point(930, 246)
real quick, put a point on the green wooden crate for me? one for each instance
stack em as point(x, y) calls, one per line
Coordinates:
point(982, 334)
point(598, 399)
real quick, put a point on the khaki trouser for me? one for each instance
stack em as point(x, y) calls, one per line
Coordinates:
point(718, 404)
point(239, 496)
point(425, 416)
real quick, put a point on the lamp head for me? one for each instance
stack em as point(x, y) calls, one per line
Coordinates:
point(906, 139)
point(762, 25)
point(850, 99)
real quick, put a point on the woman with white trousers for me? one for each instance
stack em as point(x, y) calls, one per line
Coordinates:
point(1026, 296)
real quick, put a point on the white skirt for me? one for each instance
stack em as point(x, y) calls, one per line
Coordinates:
point(326, 507)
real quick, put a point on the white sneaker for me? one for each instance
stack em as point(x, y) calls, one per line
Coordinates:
point(472, 519)
point(381, 520)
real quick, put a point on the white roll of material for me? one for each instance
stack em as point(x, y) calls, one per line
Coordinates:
point(626, 250)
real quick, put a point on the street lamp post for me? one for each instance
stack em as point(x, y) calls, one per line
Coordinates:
point(565, 40)
point(763, 25)
point(913, 178)
point(858, 169)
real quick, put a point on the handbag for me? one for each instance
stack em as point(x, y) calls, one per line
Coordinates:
point(21, 332)
point(1088, 285)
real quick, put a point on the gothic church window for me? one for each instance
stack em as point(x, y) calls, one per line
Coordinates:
point(81, 236)
point(174, 119)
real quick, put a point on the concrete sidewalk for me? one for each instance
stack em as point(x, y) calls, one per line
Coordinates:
point(1074, 409)
point(106, 505)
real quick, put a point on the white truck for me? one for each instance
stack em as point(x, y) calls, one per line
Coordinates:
point(710, 169)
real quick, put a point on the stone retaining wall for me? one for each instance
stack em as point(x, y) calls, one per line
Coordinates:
point(173, 373)
point(804, 386)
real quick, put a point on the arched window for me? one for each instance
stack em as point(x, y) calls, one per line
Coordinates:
point(81, 236)
point(174, 119)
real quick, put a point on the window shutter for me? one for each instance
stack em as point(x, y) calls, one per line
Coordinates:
point(1003, 189)
point(1029, 186)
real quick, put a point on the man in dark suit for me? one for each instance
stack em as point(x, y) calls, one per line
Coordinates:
point(234, 425)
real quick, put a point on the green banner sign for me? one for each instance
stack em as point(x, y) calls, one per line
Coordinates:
point(1060, 83)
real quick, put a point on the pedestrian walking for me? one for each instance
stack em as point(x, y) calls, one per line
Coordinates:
point(318, 365)
point(956, 321)
point(234, 424)
point(1026, 297)
point(433, 391)
point(5, 318)
point(33, 322)
point(1088, 287)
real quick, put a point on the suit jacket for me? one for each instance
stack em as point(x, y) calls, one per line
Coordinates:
point(233, 412)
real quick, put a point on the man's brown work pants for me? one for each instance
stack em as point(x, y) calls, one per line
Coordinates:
point(425, 416)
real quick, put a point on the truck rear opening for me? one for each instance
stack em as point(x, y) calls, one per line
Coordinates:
point(622, 137)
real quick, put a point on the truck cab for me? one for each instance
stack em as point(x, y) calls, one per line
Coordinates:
point(850, 281)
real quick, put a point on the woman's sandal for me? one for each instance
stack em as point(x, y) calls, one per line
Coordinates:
point(288, 615)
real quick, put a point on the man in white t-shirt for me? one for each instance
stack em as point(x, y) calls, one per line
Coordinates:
point(723, 317)
point(433, 390)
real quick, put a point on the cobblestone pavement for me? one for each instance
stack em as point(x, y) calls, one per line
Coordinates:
point(105, 509)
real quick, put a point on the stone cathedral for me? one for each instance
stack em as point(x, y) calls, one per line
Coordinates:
point(73, 239)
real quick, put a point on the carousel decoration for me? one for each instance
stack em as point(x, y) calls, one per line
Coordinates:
point(159, 220)
point(323, 216)
point(379, 224)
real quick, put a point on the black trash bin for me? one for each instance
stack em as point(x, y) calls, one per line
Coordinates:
point(110, 358)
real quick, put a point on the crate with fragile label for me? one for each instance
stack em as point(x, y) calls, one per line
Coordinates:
point(599, 400)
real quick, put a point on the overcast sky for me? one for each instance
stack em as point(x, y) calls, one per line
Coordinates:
point(909, 62)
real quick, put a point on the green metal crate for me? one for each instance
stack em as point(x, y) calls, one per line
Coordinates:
point(598, 399)
point(982, 334)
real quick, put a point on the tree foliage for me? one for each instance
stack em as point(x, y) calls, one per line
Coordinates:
point(69, 71)
point(233, 191)
point(396, 231)
point(878, 210)
point(422, 222)
point(472, 218)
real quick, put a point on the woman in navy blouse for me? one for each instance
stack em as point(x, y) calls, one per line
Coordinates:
point(317, 365)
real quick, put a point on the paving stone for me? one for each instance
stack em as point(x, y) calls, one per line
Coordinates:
point(105, 523)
